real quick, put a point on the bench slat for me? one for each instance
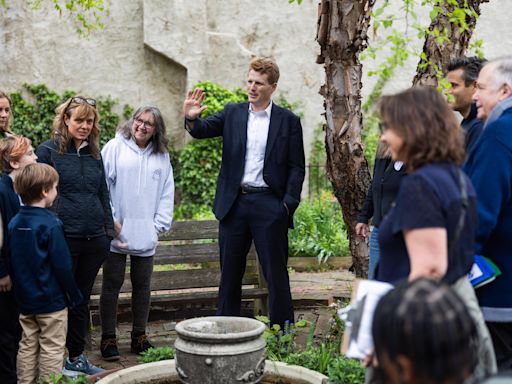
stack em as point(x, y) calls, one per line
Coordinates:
point(190, 253)
point(192, 230)
point(182, 279)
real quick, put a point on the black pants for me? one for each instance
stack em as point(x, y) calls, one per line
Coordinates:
point(261, 217)
point(501, 334)
point(88, 255)
point(10, 335)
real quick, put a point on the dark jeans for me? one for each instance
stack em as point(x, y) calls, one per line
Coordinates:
point(141, 268)
point(88, 255)
point(261, 217)
point(501, 334)
point(10, 335)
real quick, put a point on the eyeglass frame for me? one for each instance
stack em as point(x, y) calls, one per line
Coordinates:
point(146, 124)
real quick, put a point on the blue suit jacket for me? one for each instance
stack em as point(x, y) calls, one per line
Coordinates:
point(284, 165)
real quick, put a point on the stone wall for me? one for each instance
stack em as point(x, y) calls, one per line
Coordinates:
point(151, 51)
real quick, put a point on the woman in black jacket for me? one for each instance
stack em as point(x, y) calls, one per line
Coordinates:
point(84, 208)
point(387, 175)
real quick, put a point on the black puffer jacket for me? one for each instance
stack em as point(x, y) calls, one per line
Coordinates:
point(83, 201)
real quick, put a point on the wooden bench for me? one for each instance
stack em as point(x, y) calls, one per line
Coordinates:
point(186, 276)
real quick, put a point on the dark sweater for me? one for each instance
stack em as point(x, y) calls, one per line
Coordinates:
point(473, 128)
point(382, 192)
point(83, 202)
point(9, 206)
point(41, 264)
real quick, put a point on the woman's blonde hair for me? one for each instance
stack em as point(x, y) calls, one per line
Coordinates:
point(81, 110)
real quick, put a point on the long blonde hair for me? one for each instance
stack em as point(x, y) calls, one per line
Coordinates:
point(81, 110)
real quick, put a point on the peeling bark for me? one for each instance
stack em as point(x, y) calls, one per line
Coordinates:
point(342, 35)
point(456, 46)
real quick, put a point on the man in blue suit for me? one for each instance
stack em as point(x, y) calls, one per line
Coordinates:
point(489, 165)
point(258, 188)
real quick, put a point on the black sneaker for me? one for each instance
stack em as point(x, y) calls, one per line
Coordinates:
point(108, 348)
point(140, 344)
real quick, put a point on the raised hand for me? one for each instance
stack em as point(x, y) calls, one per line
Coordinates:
point(192, 107)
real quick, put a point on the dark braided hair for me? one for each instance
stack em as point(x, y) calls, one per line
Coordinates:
point(428, 323)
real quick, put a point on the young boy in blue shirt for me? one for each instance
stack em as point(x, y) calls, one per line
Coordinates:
point(41, 271)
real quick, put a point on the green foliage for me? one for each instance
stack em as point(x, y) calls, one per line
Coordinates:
point(157, 354)
point(324, 357)
point(319, 230)
point(280, 343)
point(87, 13)
point(33, 114)
point(342, 370)
point(59, 378)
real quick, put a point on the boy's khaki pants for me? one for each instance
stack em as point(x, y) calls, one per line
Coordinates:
point(42, 345)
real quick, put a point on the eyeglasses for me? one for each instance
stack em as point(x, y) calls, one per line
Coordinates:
point(147, 124)
point(81, 100)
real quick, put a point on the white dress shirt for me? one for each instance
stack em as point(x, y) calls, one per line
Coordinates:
point(257, 133)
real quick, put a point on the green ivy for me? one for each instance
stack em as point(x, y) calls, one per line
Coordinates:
point(157, 354)
point(33, 114)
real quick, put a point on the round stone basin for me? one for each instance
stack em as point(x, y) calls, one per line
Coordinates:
point(164, 372)
point(220, 349)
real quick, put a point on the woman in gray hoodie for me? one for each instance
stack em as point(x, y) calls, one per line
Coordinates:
point(141, 186)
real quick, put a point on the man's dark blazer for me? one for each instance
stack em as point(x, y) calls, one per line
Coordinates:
point(283, 169)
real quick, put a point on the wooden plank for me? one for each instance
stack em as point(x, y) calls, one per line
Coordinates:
point(192, 230)
point(311, 263)
point(187, 297)
point(190, 253)
point(181, 279)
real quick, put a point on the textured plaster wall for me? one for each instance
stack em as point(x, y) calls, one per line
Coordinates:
point(151, 51)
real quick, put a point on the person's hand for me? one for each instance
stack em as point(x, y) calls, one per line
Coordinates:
point(192, 107)
point(370, 360)
point(5, 284)
point(117, 228)
point(362, 229)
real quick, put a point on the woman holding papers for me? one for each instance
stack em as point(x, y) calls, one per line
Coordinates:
point(430, 230)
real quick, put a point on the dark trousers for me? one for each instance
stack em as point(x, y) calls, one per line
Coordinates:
point(141, 269)
point(501, 334)
point(10, 335)
point(88, 255)
point(261, 217)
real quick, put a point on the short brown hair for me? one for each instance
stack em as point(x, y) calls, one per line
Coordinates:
point(12, 148)
point(33, 180)
point(266, 66)
point(427, 126)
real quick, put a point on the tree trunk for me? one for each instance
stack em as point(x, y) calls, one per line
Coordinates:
point(438, 54)
point(342, 35)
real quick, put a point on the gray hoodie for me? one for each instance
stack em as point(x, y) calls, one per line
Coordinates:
point(141, 188)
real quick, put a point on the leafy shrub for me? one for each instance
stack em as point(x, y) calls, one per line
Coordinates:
point(157, 354)
point(319, 230)
point(33, 115)
point(343, 370)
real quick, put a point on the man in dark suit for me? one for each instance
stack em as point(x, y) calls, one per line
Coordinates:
point(258, 188)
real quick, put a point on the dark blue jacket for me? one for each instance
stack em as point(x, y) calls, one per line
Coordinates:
point(41, 266)
point(284, 165)
point(9, 206)
point(473, 128)
point(83, 203)
point(489, 165)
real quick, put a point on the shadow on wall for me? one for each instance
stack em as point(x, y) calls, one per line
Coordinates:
point(168, 76)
